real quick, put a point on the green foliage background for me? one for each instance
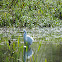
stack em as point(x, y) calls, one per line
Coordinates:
point(29, 13)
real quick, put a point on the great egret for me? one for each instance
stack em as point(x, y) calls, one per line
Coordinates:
point(27, 39)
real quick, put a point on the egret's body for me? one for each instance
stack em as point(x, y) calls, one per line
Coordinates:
point(27, 39)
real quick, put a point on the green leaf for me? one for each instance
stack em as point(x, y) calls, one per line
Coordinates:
point(18, 40)
point(45, 60)
point(39, 47)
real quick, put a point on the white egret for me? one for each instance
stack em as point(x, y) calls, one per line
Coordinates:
point(27, 39)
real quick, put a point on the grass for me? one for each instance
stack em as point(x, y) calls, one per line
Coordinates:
point(47, 48)
point(43, 51)
point(30, 13)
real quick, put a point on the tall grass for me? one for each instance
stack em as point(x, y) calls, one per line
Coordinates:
point(42, 52)
point(30, 14)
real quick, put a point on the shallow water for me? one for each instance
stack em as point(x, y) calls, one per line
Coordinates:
point(46, 45)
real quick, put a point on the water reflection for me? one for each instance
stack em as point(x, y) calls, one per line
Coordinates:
point(43, 35)
point(27, 54)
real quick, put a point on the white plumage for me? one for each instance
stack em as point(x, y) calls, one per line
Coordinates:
point(27, 39)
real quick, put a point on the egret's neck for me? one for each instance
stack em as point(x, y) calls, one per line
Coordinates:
point(25, 36)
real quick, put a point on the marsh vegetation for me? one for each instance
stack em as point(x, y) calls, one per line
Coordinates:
point(43, 22)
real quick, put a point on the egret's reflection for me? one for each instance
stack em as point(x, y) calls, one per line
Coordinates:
point(27, 54)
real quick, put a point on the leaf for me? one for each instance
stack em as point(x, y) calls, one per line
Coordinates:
point(33, 58)
point(41, 11)
point(14, 46)
point(39, 47)
point(38, 11)
point(45, 60)
point(18, 40)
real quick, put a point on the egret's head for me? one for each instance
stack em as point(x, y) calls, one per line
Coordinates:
point(24, 30)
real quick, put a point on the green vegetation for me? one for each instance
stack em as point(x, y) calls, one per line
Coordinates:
point(33, 14)
point(30, 13)
point(46, 49)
